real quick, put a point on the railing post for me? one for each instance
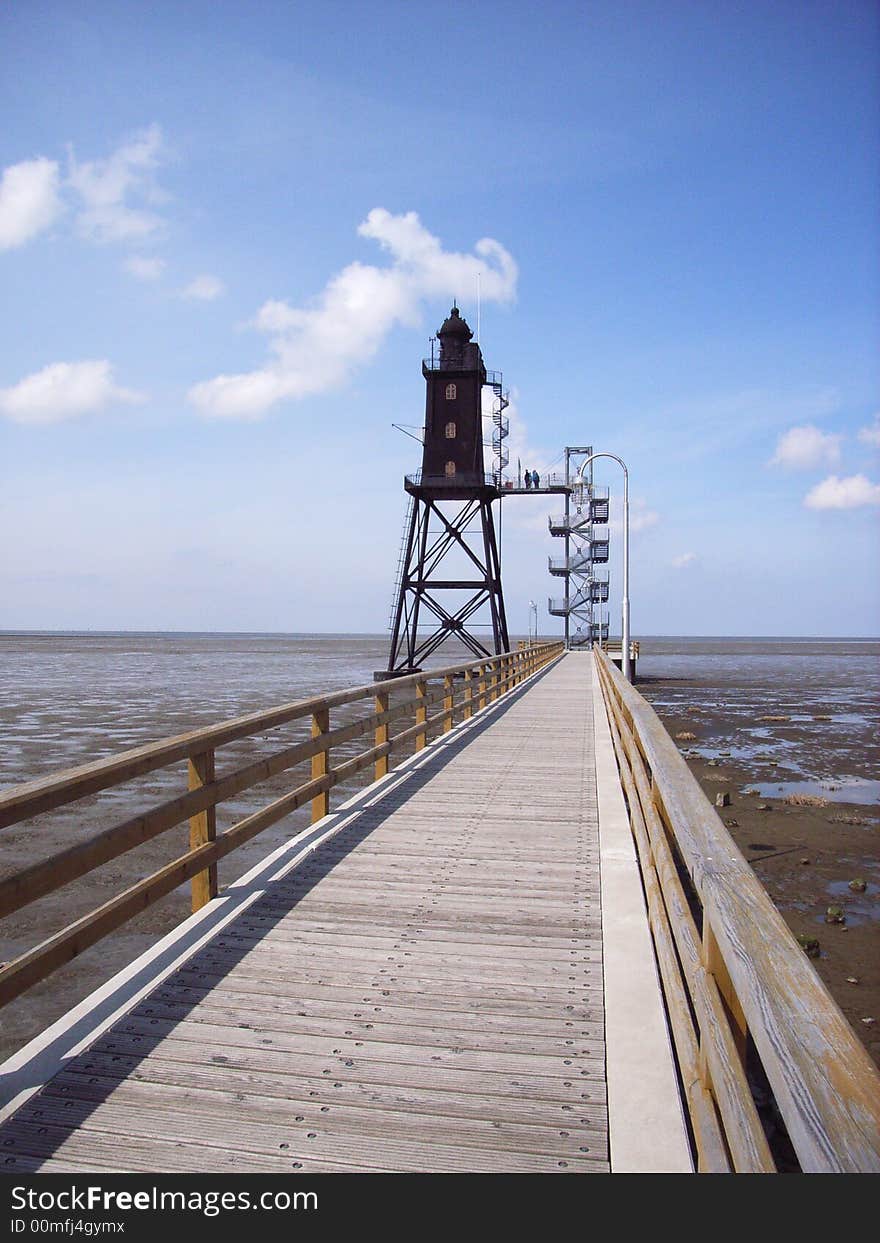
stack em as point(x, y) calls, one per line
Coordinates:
point(448, 702)
point(468, 711)
point(202, 829)
point(380, 768)
point(481, 687)
point(421, 714)
point(714, 965)
point(320, 764)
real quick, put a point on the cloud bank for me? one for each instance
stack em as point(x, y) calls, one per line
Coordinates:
point(805, 448)
point(29, 201)
point(850, 493)
point(315, 349)
point(63, 391)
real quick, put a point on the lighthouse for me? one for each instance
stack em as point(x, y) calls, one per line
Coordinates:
point(449, 573)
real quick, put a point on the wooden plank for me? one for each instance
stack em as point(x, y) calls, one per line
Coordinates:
point(509, 997)
point(38, 1146)
point(219, 994)
point(298, 1090)
point(368, 1047)
point(202, 1136)
point(565, 1042)
point(521, 949)
point(585, 1085)
point(558, 1134)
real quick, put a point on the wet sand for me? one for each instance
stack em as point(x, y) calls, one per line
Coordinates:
point(805, 856)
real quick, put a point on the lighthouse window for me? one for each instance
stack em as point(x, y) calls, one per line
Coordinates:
point(450, 392)
point(450, 470)
point(450, 431)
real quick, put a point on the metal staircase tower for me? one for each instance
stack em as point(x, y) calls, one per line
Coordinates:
point(583, 528)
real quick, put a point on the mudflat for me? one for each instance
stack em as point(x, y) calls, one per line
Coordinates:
point(813, 847)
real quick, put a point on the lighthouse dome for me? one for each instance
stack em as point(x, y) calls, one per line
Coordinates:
point(455, 326)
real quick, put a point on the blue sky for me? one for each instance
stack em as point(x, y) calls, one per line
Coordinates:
point(228, 230)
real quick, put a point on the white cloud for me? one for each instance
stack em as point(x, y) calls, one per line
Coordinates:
point(107, 187)
point(849, 493)
point(684, 560)
point(805, 448)
point(871, 435)
point(63, 391)
point(144, 269)
point(204, 288)
point(316, 349)
point(29, 201)
point(640, 516)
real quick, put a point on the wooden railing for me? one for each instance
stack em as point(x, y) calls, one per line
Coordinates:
point(462, 690)
point(737, 985)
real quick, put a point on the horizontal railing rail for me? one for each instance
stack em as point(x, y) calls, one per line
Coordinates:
point(736, 983)
point(462, 690)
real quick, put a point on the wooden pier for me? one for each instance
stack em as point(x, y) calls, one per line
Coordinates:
point(488, 960)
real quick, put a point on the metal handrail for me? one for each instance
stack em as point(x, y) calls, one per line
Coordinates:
point(467, 479)
point(577, 564)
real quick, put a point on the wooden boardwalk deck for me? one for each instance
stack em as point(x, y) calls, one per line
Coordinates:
point(423, 994)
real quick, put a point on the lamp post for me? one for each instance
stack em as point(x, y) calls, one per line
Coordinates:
point(625, 663)
point(533, 612)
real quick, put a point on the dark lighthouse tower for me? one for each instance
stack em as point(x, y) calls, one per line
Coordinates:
point(449, 573)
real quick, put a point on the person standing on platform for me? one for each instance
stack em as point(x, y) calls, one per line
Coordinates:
point(528, 479)
point(536, 479)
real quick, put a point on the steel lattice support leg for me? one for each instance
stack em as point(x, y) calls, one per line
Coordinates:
point(422, 587)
